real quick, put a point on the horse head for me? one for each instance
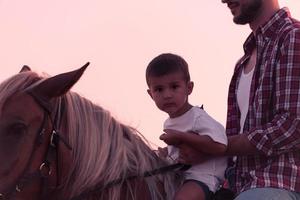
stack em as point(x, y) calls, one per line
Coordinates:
point(57, 145)
point(31, 165)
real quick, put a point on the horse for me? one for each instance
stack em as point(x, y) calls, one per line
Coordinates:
point(57, 145)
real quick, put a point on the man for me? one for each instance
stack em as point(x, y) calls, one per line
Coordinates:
point(263, 118)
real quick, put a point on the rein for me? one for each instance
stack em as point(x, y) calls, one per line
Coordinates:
point(161, 170)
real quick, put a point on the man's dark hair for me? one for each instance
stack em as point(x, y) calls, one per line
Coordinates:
point(165, 64)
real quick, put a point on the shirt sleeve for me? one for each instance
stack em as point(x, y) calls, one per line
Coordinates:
point(282, 134)
point(206, 125)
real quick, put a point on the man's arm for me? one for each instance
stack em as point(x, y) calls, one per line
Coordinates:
point(201, 143)
point(195, 144)
point(282, 133)
point(239, 145)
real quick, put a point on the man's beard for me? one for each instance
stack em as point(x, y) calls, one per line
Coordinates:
point(248, 12)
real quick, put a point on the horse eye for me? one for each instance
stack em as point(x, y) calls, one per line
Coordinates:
point(17, 129)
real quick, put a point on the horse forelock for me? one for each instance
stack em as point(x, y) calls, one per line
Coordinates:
point(105, 149)
point(16, 83)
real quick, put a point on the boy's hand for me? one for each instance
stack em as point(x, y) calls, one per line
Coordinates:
point(162, 152)
point(171, 137)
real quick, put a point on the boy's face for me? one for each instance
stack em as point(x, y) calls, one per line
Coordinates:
point(170, 93)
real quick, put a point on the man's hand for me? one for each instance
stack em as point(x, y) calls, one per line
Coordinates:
point(188, 155)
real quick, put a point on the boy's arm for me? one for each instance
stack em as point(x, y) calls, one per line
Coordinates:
point(201, 143)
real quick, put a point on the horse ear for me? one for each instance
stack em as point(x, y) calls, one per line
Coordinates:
point(25, 68)
point(57, 85)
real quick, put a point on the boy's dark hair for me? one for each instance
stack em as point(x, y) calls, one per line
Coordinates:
point(165, 64)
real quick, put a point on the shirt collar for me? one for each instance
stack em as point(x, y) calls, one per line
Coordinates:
point(267, 30)
point(273, 25)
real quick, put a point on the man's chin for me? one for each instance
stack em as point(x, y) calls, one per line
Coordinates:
point(240, 21)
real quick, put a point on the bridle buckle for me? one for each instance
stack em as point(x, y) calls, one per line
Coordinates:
point(45, 169)
point(54, 138)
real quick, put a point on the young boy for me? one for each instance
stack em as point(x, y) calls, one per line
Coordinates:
point(169, 84)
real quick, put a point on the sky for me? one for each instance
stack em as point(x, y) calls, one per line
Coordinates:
point(119, 38)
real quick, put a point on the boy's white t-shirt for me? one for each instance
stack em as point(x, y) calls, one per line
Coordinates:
point(197, 120)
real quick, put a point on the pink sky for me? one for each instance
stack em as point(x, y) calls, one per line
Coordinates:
point(119, 38)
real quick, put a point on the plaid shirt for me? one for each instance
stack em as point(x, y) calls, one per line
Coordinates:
point(273, 121)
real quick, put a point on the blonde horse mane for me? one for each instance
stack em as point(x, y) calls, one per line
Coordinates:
point(103, 149)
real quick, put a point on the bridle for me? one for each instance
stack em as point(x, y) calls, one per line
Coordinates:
point(45, 170)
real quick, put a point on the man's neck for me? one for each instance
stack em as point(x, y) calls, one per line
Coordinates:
point(267, 11)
